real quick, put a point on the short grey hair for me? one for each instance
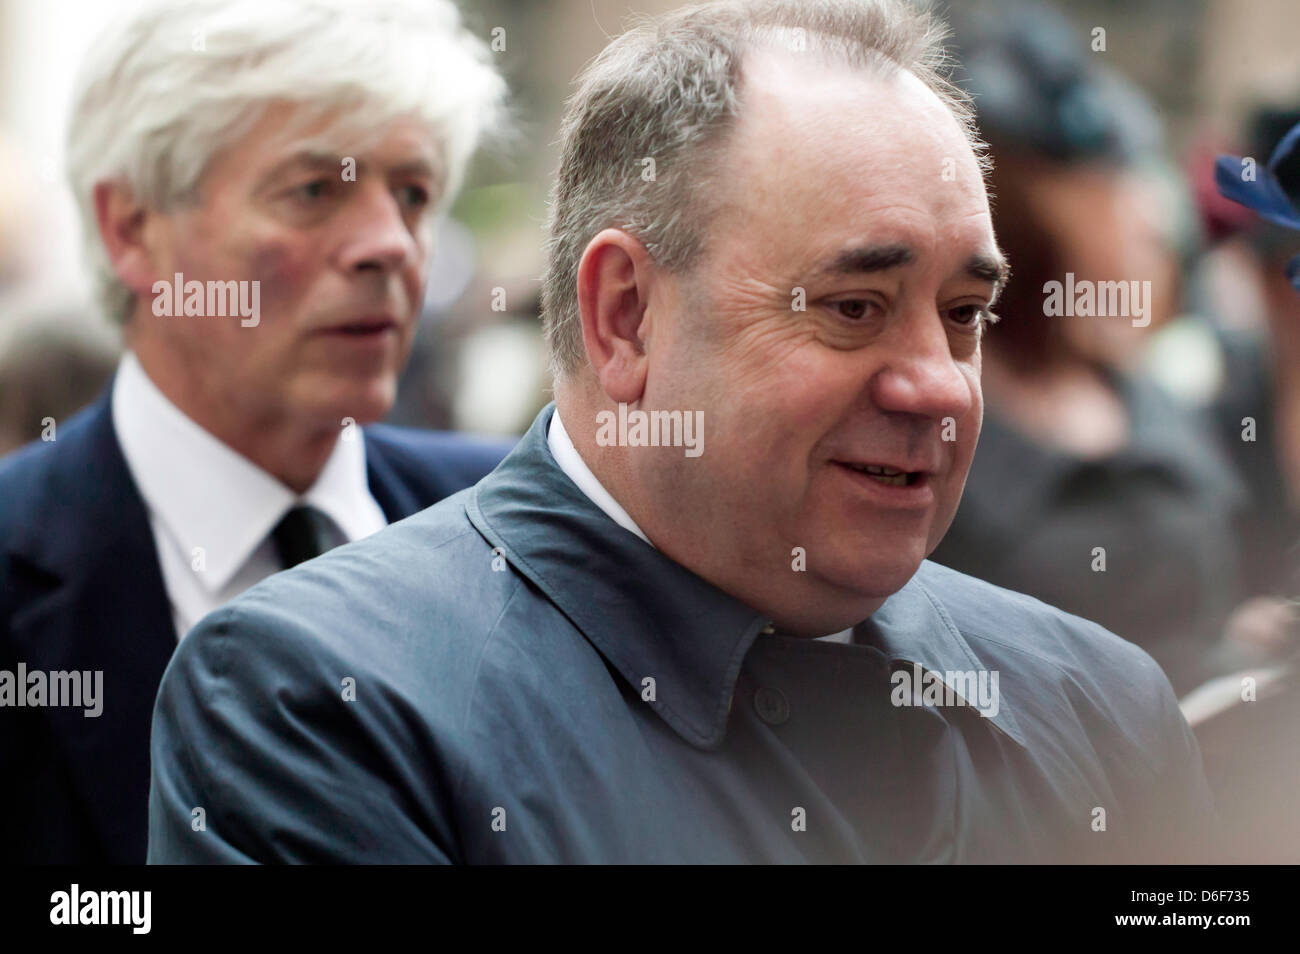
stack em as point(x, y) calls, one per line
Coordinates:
point(668, 90)
point(164, 91)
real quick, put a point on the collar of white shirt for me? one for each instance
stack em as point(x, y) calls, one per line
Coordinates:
point(208, 495)
point(576, 469)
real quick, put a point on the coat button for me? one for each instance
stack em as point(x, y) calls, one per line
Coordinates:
point(771, 706)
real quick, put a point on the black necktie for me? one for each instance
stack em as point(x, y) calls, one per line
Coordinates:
point(303, 533)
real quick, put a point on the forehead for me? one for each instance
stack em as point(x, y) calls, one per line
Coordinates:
point(823, 156)
point(286, 132)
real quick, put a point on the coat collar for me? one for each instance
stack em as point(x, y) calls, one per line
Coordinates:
point(913, 626)
point(650, 617)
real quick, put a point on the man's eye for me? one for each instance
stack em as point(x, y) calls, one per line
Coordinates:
point(966, 314)
point(414, 196)
point(854, 309)
point(315, 189)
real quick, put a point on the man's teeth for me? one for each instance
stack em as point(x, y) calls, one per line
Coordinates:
point(886, 475)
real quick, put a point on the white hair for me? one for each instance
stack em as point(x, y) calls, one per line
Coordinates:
point(163, 92)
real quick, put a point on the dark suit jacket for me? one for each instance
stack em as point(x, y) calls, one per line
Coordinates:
point(81, 589)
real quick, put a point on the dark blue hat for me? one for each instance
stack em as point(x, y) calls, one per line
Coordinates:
point(1038, 88)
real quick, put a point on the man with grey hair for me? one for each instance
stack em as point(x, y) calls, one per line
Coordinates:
point(259, 182)
point(689, 618)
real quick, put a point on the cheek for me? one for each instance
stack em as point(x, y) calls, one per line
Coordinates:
point(768, 389)
point(968, 430)
point(284, 270)
point(794, 399)
point(811, 400)
point(777, 369)
point(784, 424)
point(414, 277)
point(418, 270)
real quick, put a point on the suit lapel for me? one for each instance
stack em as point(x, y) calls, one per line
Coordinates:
point(106, 609)
point(394, 497)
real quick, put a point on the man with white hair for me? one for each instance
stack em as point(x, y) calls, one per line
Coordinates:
point(259, 182)
point(689, 618)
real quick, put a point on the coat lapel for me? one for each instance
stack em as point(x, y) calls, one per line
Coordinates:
point(395, 498)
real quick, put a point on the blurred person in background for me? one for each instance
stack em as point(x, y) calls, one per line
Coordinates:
point(54, 358)
point(1246, 724)
point(1093, 488)
point(287, 159)
point(1257, 333)
point(52, 364)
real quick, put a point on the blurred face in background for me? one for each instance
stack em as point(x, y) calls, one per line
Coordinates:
point(336, 229)
point(1103, 224)
point(829, 334)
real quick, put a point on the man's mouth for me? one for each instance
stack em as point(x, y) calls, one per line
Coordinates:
point(365, 327)
point(889, 476)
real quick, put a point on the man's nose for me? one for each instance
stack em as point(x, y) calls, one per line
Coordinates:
point(378, 237)
point(920, 375)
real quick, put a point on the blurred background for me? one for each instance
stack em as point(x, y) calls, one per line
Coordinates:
point(1206, 66)
point(1174, 448)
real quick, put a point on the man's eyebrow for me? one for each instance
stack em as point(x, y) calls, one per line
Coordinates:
point(988, 268)
point(870, 258)
point(303, 159)
point(320, 159)
point(880, 258)
point(308, 157)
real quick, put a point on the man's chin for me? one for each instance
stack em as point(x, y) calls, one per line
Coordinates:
point(833, 599)
point(351, 401)
point(874, 575)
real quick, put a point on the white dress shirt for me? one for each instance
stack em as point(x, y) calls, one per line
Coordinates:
point(211, 509)
point(576, 469)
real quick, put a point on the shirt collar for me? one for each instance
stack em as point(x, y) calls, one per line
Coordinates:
point(208, 495)
point(576, 469)
point(653, 618)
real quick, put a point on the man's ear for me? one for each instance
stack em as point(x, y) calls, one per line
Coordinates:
point(122, 223)
point(614, 280)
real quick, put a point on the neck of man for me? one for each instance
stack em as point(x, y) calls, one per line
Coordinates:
point(294, 452)
point(577, 404)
